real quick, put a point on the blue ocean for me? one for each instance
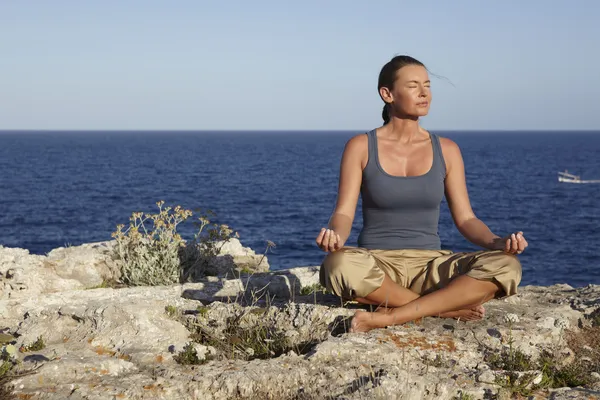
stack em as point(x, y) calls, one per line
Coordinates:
point(69, 188)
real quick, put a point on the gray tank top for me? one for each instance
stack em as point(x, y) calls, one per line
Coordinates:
point(401, 212)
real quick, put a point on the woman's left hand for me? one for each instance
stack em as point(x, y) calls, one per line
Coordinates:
point(515, 243)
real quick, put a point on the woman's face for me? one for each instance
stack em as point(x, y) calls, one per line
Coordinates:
point(411, 94)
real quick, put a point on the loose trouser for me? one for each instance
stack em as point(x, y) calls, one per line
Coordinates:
point(353, 272)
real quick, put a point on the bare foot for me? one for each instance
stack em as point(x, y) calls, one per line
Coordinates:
point(364, 321)
point(473, 314)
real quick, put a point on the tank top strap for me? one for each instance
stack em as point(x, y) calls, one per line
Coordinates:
point(438, 156)
point(372, 147)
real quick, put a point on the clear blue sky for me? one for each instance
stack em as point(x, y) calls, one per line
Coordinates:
point(513, 64)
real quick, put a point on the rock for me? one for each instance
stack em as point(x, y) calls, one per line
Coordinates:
point(257, 336)
point(282, 285)
point(487, 377)
point(63, 269)
point(546, 323)
point(89, 264)
point(234, 259)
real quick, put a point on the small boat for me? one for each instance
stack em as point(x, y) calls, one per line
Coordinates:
point(570, 178)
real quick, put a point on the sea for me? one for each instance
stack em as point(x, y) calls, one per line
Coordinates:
point(67, 188)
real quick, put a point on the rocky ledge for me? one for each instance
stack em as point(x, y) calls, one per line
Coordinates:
point(273, 335)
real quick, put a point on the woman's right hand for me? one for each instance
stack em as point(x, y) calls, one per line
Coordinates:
point(329, 241)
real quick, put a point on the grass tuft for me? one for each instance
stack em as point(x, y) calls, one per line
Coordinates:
point(189, 356)
point(35, 346)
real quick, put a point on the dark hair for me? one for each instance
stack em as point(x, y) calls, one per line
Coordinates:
point(387, 77)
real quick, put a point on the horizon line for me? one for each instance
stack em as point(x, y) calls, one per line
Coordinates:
point(289, 130)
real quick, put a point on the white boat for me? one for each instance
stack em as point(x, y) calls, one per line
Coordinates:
point(570, 178)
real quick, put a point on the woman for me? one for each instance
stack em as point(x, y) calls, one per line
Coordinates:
point(402, 173)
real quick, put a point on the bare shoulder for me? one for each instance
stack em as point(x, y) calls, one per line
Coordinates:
point(357, 149)
point(449, 146)
point(357, 143)
point(450, 151)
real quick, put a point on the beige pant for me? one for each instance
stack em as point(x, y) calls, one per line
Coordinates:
point(356, 272)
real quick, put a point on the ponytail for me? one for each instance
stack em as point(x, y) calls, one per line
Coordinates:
point(385, 114)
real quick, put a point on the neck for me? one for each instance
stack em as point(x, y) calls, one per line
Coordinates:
point(403, 129)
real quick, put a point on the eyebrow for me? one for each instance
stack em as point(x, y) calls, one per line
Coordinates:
point(427, 81)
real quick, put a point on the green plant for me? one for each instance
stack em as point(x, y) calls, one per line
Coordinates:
point(585, 343)
point(555, 371)
point(257, 341)
point(171, 311)
point(314, 288)
point(463, 396)
point(248, 334)
point(35, 346)
point(157, 254)
point(509, 360)
point(151, 256)
point(5, 367)
point(202, 310)
point(188, 356)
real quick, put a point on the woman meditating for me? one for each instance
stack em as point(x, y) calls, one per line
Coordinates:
point(402, 173)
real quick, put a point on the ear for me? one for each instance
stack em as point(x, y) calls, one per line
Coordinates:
point(386, 95)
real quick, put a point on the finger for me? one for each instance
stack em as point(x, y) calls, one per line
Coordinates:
point(514, 244)
point(332, 240)
point(325, 242)
point(320, 236)
point(339, 242)
point(525, 243)
point(521, 242)
point(507, 245)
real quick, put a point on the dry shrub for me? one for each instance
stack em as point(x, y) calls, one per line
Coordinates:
point(158, 255)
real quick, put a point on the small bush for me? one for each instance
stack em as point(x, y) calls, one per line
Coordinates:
point(158, 255)
point(188, 356)
point(315, 288)
point(7, 363)
point(510, 360)
point(260, 340)
point(556, 373)
point(463, 396)
point(171, 311)
point(35, 346)
point(202, 310)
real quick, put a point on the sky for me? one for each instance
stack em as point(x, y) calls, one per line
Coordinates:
point(295, 65)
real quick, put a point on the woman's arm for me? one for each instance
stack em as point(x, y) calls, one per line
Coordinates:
point(471, 227)
point(340, 223)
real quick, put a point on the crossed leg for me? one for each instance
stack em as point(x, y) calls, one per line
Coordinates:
point(390, 295)
point(462, 293)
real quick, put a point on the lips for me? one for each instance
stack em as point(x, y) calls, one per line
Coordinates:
point(423, 104)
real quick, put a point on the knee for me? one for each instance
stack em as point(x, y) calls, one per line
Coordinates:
point(499, 261)
point(345, 272)
point(512, 265)
point(333, 264)
point(506, 269)
point(501, 267)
